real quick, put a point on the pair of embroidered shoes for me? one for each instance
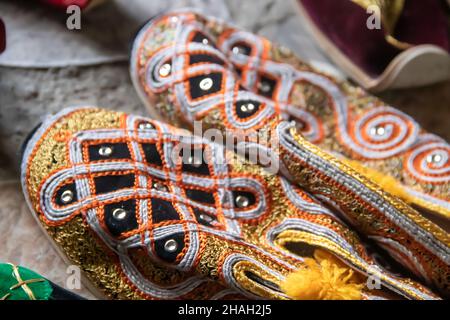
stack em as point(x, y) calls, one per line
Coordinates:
point(148, 210)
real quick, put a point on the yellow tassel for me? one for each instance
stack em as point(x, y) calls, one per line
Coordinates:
point(323, 278)
point(388, 183)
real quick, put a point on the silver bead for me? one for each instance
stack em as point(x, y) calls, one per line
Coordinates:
point(264, 86)
point(378, 131)
point(119, 214)
point(66, 196)
point(238, 50)
point(242, 201)
point(205, 217)
point(165, 70)
point(146, 126)
point(159, 186)
point(171, 245)
point(194, 162)
point(434, 158)
point(248, 107)
point(205, 41)
point(285, 51)
point(105, 151)
point(206, 84)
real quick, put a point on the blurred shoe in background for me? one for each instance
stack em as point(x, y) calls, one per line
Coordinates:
point(83, 4)
point(383, 44)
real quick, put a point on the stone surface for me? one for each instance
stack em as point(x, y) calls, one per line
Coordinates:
point(33, 28)
point(27, 95)
point(61, 68)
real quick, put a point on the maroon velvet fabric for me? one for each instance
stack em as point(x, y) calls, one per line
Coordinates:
point(2, 36)
point(344, 23)
point(423, 21)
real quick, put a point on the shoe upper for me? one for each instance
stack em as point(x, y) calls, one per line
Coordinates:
point(147, 210)
point(189, 68)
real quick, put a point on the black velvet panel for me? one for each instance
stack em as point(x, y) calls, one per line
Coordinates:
point(199, 36)
point(201, 169)
point(200, 57)
point(270, 82)
point(194, 84)
point(243, 48)
point(105, 184)
point(60, 191)
point(244, 115)
point(120, 151)
point(151, 154)
point(163, 210)
point(164, 254)
point(116, 227)
point(200, 196)
point(238, 71)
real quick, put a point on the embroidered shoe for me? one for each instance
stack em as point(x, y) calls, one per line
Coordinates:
point(334, 115)
point(189, 67)
point(149, 211)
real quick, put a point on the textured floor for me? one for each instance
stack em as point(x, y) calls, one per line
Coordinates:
point(90, 72)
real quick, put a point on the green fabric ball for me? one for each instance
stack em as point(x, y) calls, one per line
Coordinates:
point(41, 290)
